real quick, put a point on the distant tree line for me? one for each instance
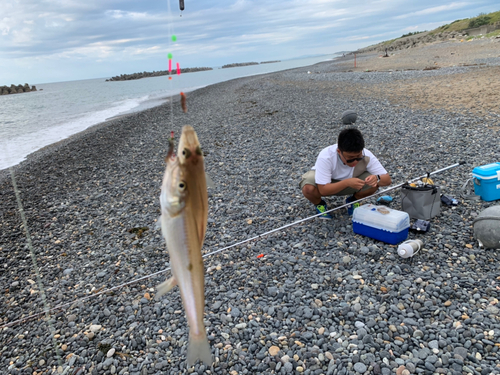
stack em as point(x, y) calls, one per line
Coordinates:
point(129, 77)
point(412, 33)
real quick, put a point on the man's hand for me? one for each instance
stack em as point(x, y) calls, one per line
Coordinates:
point(371, 181)
point(357, 183)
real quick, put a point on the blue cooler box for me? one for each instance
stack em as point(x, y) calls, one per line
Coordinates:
point(487, 181)
point(381, 223)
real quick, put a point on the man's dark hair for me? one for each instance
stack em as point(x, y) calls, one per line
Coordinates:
point(351, 140)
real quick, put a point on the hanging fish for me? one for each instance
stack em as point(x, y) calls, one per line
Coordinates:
point(181, 4)
point(184, 214)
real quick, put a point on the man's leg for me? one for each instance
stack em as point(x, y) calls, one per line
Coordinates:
point(312, 194)
point(309, 188)
point(365, 193)
point(310, 191)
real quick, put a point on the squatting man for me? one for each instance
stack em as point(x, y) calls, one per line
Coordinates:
point(345, 168)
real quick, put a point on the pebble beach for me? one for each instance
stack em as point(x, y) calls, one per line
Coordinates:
point(314, 298)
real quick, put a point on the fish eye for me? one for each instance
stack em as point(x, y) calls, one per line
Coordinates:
point(182, 186)
point(186, 153)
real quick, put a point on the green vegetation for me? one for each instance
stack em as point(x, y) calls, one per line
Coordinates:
point(480, 20)
point(458, 26)
point(389, 41)
point(469, 23)
point(414, 33)
point(494, 33)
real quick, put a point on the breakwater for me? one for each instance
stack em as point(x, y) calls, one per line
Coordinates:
point(128, 77)
point(16, 89)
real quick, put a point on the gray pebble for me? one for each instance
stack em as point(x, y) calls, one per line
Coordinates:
point(360, 367)
point(433, 344)
point(288, 367)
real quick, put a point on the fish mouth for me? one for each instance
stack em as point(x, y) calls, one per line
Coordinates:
point(188, 137)
point(189, 146)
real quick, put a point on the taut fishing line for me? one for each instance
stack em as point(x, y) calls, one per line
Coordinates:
point(170, 33)
point(35, 266)
point(228, 247)
point(47, 309)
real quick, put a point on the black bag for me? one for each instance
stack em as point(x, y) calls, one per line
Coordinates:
point(421, 202)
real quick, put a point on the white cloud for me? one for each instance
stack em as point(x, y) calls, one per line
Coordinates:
point(22, 36)
point(117, 14)
point(119, 33)
point(5, 25)
point(438, 9)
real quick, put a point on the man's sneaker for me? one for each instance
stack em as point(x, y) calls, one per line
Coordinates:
point(322, 208)
point(351, 207)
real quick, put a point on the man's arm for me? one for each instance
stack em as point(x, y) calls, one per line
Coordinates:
point(372, 180)
point(385, 180)
point(355, 183)
point(335, 187)
point(375, 168)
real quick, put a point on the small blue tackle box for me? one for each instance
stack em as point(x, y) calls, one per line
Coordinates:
point(381, 223)
point(487, 181)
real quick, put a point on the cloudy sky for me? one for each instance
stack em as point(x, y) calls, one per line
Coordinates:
point(59, 40)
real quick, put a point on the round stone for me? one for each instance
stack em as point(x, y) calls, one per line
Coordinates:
point(360, 367)
point(487, 227)
point(349, 117)
point(273, 350)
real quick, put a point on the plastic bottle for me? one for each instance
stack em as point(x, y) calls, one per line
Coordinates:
point(409, 248)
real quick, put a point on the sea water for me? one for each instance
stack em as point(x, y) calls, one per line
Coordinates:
point(31, 121)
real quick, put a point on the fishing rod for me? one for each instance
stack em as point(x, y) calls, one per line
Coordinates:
point(333, 209)
point(396, 186)
point(62, 306)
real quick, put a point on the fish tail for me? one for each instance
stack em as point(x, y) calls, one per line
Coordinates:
point(199, 349)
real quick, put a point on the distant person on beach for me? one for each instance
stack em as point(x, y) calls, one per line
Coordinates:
point(345, 168)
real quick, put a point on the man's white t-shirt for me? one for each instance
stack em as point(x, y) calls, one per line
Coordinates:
point(329, 166)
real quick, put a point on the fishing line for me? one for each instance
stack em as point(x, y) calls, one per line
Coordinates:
point(35, 264)
point(170, 33)
point(47, 309)
point(229, 247)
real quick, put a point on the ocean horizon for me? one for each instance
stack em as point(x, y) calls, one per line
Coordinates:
point(58, 110)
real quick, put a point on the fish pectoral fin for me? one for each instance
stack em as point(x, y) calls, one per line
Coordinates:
point(165, 287)
point(210, 182)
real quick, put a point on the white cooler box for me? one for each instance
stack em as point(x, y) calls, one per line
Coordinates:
point(381, 223)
